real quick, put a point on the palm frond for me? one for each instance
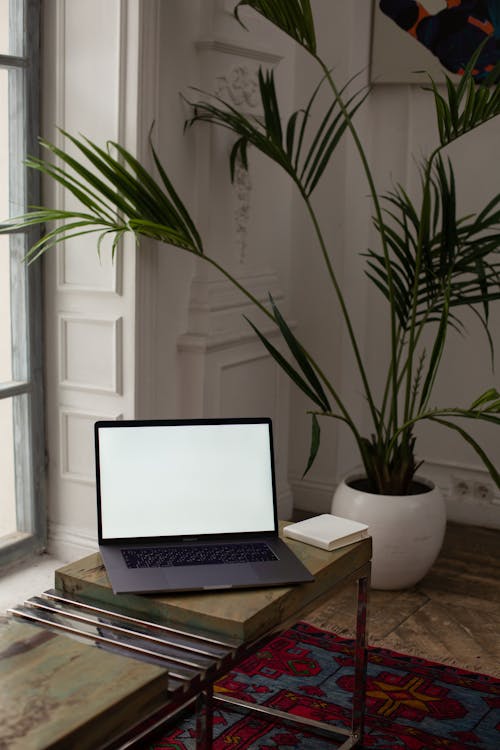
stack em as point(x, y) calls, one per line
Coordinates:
point(294, 17)
point(292, 373)
point(459, 260)
point(315, 441)
point(285, 146)
point(495, 475)
point(298, 353)
point(119, 194)
point(489, 401)
point(467, 104)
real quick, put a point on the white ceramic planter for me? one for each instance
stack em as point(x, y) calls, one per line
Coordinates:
point(407, 531)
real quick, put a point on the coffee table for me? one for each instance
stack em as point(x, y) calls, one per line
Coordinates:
point(200, 637)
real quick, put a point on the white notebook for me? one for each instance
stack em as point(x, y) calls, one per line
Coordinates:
point(327, 531)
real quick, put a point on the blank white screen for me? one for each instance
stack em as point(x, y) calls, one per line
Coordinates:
point(185, 479)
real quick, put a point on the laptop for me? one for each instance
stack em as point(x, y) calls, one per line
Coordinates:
point(187, 505)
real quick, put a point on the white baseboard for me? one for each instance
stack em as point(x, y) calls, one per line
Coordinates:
point(68, 543)
point(285, 505)
point(471, 496)
point(311, 496)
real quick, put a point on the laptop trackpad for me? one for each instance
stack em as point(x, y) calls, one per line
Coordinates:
point(214, 576)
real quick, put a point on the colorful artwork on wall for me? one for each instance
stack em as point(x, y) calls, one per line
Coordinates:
point(443, 32)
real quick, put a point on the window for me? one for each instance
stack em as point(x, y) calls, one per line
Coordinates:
point(22, 521)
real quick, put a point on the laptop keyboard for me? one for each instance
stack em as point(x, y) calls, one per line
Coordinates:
point(204, 554)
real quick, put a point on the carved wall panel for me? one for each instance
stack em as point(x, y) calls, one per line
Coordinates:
point(77, 444)
point(90, 350)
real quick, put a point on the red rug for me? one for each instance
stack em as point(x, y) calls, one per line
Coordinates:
point(411, 703)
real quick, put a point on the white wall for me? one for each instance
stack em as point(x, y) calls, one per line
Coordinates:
point(156, 334)
point(180, 346)
point(91, 59)
point(397, 125)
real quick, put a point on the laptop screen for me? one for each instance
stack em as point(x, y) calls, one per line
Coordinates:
point(184, 478)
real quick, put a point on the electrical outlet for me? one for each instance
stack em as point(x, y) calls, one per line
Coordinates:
point(462, 489)
point(483, 491)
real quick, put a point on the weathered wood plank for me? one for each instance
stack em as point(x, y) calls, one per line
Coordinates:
point(387, 610)
point(244, 614)
point(451, 631)
point(58, 693)
point(451, 616)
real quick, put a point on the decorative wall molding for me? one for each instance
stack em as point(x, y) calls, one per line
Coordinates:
point(230, 47)
point(243, 193)
point(312, 496)
point(148, 384)
point(228, 6)
point(207, 343)
point(240, 86)
point(69, 542)
point(285, 504)
point(100, 274)
point(78, 259)
point(95, 341)
point(77, 444)
point(216, 306)
point(239, 365)
point(232, 374)
point(91, 353)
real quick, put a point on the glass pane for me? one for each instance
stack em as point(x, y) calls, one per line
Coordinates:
point(13, 313)
point(11, 27)
point(4, 27)
point(5, 316)
point(16, 512)
point(8, 523)
point(16, 143)
point(12, 143)
point(4, 143)
point(19, 307)
point(19, 415)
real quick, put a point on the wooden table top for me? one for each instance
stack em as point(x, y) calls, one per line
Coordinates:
point(57, 693)
point(238, 614)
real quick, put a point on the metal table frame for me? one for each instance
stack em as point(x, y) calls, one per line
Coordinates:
point(194, 661)
point(208, 699)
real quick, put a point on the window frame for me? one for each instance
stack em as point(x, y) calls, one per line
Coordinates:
point(29, 455)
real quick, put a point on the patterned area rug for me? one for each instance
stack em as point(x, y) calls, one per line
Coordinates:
point(411, 703)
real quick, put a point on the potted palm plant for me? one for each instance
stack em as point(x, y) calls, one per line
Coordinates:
point(430, 262)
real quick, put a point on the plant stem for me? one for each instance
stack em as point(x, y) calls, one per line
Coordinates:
point(413, 337)
point(378, 213)
point(343, 307)
point(263, 309)
point(237, 284)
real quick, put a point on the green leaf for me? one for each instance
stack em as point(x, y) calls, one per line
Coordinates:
point(465, 435)
point(286, 366)
point(300, 357)
point(435, 358)
point(329, 142)
point(294, 17)
point(272, 116)
point(468, 104)
point(490, 397)
point(315, 440)
point(175, 198)
point(119, 195)
point(86, 176)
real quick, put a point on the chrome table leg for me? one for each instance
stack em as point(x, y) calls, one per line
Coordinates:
point(360, 656)
point(204, 719)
